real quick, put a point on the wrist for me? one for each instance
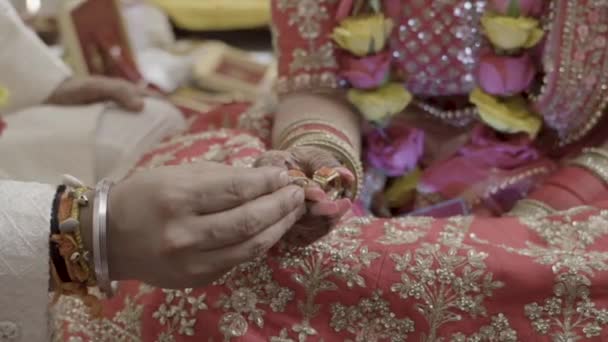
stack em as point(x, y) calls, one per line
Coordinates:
point(115, 250)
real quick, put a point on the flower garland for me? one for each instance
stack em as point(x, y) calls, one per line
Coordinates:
point(503, 74)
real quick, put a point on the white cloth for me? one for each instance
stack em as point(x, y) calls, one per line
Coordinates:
point(25, 210)
point(151, 36)
point(90, 142)
point(41, 143)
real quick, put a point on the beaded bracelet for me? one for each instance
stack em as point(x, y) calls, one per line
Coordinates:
point(71, 271)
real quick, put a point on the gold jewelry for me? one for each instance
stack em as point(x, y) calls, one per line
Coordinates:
point(290, 139)
point(594, 160)
point(341, 150)
point(325, 176)
point(531, 208)
point(299, 125)
point(297, 177)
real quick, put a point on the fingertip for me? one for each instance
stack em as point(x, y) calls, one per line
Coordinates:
point(344, 204)
point(346, 174)
point(298, 194)
point(315, 194)
point(283, 178)
point(324, 209)
point(136, 104)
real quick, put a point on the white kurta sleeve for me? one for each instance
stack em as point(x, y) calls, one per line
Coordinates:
point(25, 211)
point(27, 67)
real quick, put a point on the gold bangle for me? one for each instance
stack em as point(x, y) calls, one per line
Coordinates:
point(285, 144)
point(593, 160)
point(294, 125)
point(531, 208)
point(342, 151)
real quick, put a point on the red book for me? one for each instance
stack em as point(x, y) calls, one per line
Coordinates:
point(96, 40)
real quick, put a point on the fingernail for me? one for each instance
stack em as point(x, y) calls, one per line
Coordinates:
point(298, 194)
point(301, 212)
point(284, 178)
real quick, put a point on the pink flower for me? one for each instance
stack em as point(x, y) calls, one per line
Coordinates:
point(488, 149)
point(344, 9)
point(523, 8)
point(368, 72)
point(397, 150)
point(505, 76)
point(486, 161)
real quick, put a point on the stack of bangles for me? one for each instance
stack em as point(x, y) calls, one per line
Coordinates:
point(73, 268)
point(324, 135)
point(583, 181)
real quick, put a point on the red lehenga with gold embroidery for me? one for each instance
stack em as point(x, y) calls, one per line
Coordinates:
point(536, 274)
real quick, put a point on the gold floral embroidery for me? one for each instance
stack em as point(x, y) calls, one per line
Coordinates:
point(125, 326)
point(341, 256)
point(178, 313)
point(234, 144)
point(406, 230)
point(498, 331)
point(307, 16)
point(567, 241)
point(308, 60)
point(570, 313)
point(251, 286)
point(283, 337)
point(445, 282)
point(371, 320)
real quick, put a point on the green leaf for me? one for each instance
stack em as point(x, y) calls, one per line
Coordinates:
point(375, 5)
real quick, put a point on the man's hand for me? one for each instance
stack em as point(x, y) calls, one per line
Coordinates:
point(87, 90)
point(186, 226)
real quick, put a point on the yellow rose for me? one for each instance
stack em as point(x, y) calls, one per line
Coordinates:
point(509, 33)
point(509, 116)
point(3, 96)
point(402, 189)
point(382, 103)
point(363, 35)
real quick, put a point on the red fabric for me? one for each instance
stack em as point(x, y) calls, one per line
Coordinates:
point(376, 279)
point(417, 279)
point(571, 187)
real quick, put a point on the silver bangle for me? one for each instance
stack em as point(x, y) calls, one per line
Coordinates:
point(100, 237)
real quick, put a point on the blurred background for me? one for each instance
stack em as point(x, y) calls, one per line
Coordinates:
point(186, 48)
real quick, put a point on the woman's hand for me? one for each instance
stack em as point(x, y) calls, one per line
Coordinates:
point(323, 212)
point(87, 90)
point(186, 226)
